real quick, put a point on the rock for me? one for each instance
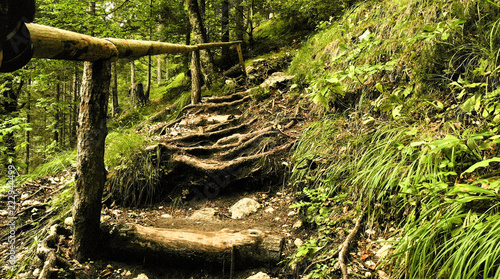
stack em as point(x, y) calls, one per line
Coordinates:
point(297, 224)
point(68, 221)
point(277, 80)
point(166, 216)
point(205, 214)
point(260, 275)
point(244, 207)
point(298, 242)
point(269, 210)
point(141, 276)
point(235, 71)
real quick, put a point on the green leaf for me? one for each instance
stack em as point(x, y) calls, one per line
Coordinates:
point(379, 88)
point(396, 111)
point(471, 189)
point(482, 164)
point(468, 106)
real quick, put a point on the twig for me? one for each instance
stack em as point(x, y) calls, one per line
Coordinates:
point(345, 245)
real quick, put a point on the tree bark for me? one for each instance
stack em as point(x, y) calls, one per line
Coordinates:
point(132, 72)
point(148, 82)
point(114, 90)
point(57, 123)
point(200, 37)
point(76, 100)
point(239, 29)
point(28, 133)
point(196, 78)
point(91, 172)
point(249, 247)
point(167, 70)
point(225, 31)
point(158, 70)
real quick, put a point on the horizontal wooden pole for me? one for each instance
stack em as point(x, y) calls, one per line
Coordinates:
point(54, 43)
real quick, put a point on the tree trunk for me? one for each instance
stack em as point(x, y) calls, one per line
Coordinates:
point(28, 133)
point(91, 172)
point(132, 72)
point(247, 248)
point(187, 42)
point(250, 23)
point(136, 92)
point(240, 29)
point(114, 90)
point(225, 31)
point(196, 78)
point(158, 70)
point(76, 100)
point(167, 70)
point(200, 37)
point(57, 123)
point(148, 82)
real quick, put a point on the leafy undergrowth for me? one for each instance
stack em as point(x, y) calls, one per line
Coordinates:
point(410, 90)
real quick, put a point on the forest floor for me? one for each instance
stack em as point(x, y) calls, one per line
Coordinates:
point(240, 141)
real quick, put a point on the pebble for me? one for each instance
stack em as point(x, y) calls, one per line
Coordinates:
point(166, 216)
point(68, 221)
point(297, 224)
point(298, 242)
point(260, 275)
point(269, 210)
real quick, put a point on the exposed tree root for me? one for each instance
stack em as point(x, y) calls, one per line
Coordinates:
point(211, 136)
point(47, 252)
point(345, 246)
point(209, 165)
point(228, 98)
point(239, 143)
point(219, 107)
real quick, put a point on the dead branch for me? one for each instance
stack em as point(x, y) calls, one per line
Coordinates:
point(345, 245)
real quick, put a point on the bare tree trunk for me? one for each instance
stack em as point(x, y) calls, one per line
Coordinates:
point(186, 56)
point(91, 172)
point(132, 72)
point(57, 123)
point(200, 37)
point(240, 29)
point(225, 31)
point(114, 90)
point(28, 133)
point(158, 70)
point(250, 23)
point(196, 78)
point(148, 82)
point(167, 70)
point(76, 99)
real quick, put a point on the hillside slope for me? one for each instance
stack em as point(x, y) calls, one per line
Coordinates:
point(408, 144)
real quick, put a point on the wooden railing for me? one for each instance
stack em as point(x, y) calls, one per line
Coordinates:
point(53, 43)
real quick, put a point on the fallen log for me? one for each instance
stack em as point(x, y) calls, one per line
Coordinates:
point(247, 248)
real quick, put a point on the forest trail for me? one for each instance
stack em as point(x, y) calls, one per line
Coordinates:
point(214, 154)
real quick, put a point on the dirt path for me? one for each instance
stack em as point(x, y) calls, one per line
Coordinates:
point(214, 154)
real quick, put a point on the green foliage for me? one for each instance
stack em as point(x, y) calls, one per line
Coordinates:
point(121, 145)
point(133, 172)
point(407, 177)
